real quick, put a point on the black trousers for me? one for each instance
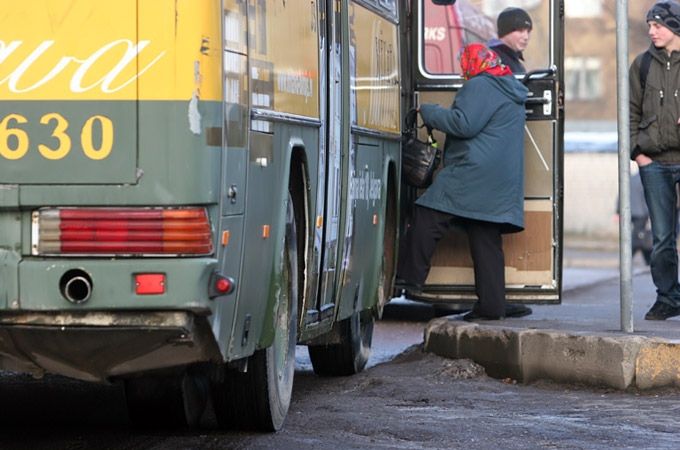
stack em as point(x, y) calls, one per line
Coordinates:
point(418, 244)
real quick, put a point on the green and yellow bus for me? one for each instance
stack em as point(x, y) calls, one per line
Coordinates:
point(190, 188)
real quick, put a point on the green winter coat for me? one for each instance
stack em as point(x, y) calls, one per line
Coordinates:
point(654, 113)
point(483, 174)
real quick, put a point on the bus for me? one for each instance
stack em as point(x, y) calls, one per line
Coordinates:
point(191, 188)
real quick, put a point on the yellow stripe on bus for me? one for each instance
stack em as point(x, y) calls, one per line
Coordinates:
point(105, 50)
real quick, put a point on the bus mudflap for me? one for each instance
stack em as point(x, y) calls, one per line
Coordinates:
point(99, 346)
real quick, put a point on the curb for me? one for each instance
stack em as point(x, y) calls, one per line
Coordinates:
point(605, 359)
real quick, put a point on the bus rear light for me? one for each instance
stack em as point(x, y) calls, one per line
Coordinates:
point(223, 286)
point(220, 285)
point(122, 231)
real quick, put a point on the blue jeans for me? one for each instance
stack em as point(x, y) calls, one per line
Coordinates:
point(659, 181)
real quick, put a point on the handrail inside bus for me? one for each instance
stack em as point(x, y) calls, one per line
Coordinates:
point(539, 73)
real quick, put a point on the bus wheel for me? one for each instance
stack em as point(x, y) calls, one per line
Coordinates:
point(351, 354)
point(259, 397)
point(166, 401)
point(389, 266)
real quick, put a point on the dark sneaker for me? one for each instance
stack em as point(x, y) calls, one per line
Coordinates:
point(517, 311)
point(662, 311)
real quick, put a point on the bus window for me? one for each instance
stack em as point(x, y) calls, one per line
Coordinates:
point(235, 72)
point(447, 29)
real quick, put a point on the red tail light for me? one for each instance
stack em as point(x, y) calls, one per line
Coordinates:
point(122, 231)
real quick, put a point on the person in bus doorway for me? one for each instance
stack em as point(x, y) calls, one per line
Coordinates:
point(655, 147)
point(514, 30)
point(480, 187)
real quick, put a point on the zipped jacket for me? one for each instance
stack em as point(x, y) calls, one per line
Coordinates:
point(510, 58)
point(483, 174)
point(654, 113)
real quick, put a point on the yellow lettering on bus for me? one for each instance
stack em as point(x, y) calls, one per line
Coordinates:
point(87, 139)
point(60, 134)
point(19, 135)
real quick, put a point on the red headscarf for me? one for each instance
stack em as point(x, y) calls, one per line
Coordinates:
point(476, 58)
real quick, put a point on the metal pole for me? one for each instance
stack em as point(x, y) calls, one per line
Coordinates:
point(625, 247)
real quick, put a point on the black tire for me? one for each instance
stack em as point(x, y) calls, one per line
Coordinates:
point(259, 398)
point(351, 354)
point(169, 401)
point(389, 265)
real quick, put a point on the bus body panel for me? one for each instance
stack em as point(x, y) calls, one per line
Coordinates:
point(375, 78)
point(125, 112)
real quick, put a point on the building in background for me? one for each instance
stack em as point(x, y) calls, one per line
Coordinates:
point(591, 158)
point(590, 60)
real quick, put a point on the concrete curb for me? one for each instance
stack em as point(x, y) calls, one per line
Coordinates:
point(605, 359)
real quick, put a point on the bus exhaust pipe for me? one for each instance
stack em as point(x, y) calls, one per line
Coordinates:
point(76, 286)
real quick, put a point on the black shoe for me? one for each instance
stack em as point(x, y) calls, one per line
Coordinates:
point(510, 311)
point(402, 286)
point(473, 316)
point(517, 311)
point(662, 311)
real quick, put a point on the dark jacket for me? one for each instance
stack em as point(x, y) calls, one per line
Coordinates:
point(483, 174)
point(510, 58)
point(654, 114)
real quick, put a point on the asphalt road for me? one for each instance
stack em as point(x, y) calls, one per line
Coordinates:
point(413, 400)
point(405, 399)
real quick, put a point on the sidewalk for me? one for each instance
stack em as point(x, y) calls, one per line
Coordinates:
point(578, 341)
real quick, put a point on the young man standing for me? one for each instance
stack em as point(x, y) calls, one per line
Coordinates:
point(514, 29)
point(655, 146)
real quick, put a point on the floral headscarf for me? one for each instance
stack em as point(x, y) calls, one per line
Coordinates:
point(476, 58)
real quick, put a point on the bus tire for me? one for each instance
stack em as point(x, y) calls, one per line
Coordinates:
point(389, 263)
point(350, 355)
point(259, 398)
point(166, 401)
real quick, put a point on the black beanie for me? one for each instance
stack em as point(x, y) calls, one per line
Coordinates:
point(667, 14)
point(511, 19)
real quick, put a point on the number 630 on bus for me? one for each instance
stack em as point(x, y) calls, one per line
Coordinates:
point(15, 141)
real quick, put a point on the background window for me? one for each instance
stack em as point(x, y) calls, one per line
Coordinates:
point(591, 8)
point(494, 6)
point(583, 80)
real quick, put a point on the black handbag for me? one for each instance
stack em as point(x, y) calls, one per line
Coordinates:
point(418, 159)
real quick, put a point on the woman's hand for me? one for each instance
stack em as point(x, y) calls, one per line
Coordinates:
point(643, 160)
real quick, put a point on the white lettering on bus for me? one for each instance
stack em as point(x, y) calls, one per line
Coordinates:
point(296, 84)
point(435, 33)
point(367, 187)
point(76, 84)
point(6, 50)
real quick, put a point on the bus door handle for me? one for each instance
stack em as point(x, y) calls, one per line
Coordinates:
point(546, 101)
point(231, 193)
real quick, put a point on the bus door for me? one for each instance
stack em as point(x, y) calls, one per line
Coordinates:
point(533, 257)
point(329, 177)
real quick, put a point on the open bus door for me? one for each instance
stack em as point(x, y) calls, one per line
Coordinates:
point(533, 258)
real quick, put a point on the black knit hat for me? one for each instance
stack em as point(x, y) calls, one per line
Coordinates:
point(511, 19)
point(667, 14)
